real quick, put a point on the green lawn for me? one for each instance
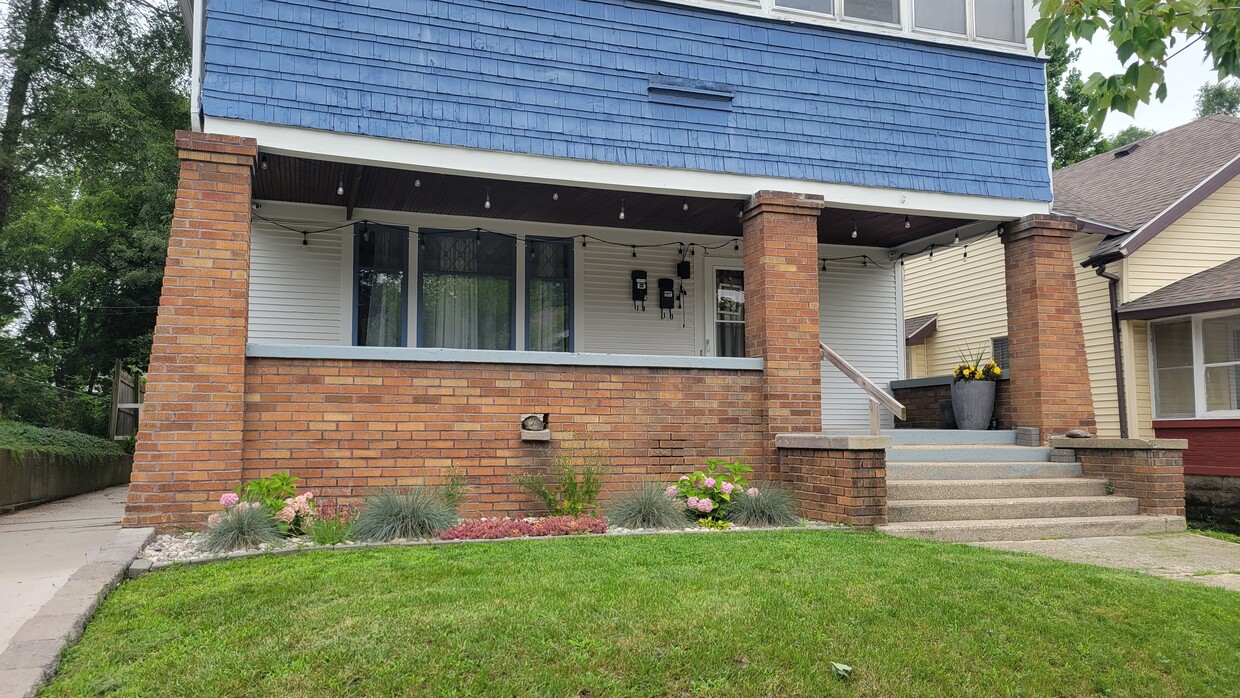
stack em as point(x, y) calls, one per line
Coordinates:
point(741, 614)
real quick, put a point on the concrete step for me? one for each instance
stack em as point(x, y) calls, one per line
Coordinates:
point(1035, 529)
point(1018, 508)
point(979, 471)
point(994, 489)
point(964, 453)
point(951, 436)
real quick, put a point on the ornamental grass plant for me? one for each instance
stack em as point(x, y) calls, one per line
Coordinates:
point(761, 508)
point(651, 506)
point(240, 526)
point(416, 512)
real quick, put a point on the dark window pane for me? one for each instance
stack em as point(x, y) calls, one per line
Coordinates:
point(467, 291)
point(492, 255)
point(826, 7)
point(382, 267)
point(874, 10)
point(549, 320)
point(729, 312)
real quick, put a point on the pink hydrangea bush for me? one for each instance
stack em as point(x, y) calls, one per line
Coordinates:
point(707, 493)
point(490, 529)
point(297, 512)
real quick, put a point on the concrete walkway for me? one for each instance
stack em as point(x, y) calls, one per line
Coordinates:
point(43, 546)
point(1185, 556)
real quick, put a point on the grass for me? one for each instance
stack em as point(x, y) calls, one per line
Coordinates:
point(741, 614)
point(1214, 533)
point(16, 436)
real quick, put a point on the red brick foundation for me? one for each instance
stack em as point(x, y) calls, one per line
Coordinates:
point(1050, 386)
point(348, 427)
point(1151, 471)
point(840, 479)
point(189, 448)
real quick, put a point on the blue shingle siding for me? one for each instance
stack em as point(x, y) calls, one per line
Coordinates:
point(572, 78)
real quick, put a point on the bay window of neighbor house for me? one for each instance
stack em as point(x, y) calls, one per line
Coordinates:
point(1196, 366)
point(466, 290)
point(381, 285)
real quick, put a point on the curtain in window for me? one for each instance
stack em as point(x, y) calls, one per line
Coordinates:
point(549, 294)
point(467, 290)
point(382, 263)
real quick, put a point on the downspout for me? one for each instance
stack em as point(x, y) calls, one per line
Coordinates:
point(1117, 348)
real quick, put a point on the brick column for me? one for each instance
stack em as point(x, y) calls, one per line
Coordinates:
point(781, 309)
point(1050, 377)
point(189, 446)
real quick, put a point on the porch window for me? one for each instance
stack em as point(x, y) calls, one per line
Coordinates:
point(549, 293)
point(1173, 369)
point(1220, 342)
point(467, 290)
point(729, 312)
point(381, 281)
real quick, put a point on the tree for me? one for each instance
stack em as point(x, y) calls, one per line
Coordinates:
point(1219, 98)
point(1145, 34)
point(1130, 134)
point(1072, 137)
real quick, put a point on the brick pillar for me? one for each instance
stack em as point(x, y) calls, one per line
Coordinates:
point(1050, 377)
point(781, 309)
point(189, 447)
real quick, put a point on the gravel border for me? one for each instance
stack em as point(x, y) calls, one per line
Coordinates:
point(33, 655)
point(152, 559)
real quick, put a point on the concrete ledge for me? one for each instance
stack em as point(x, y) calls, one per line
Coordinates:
point(33, 655)
point(828, 442)
point(1119, 444)
point(536, 435)
point(933, 381)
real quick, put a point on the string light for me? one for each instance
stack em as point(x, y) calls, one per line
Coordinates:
point(417, 182)
point(865, 261)
point(621, 209)
point(736, 245)
point(487, 204)
point(340, 187)
point(634, 251)
point(263, 162)
point(583, 242)
point(685, 205)
point(932, 252)
point(824, 264)
point(555, 196)
point(956, 240)
point(907, 223)
point(966, 252)
point(854, 232)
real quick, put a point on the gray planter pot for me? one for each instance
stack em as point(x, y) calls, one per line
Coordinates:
point(973, 402)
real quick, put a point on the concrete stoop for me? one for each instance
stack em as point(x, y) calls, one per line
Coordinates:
point(973, 486)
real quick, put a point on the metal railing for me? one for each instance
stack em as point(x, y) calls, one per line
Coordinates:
point(878, 396)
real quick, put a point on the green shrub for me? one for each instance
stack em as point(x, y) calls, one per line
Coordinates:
point(566, 488)
point(418, 512)
point(770, 506)
point(270, 491)
point(648, 507)
point(333, 524)
point(70, 445)
point(246, 525)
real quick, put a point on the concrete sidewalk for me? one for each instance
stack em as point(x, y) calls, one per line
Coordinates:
point(43, 546)
point(1184, 556)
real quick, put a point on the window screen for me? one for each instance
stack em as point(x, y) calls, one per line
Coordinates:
point(999, 352)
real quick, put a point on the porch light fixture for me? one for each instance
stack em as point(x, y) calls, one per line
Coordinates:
point(907, 223)
point(487, 204)
point(340, 186)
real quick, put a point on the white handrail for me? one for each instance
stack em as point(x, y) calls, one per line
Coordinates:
point(877, 395)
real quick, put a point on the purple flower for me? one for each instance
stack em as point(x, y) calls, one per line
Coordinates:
point(693, 502)
point(671, 491)
point(213, 519)
point(229, 500)
point(727, 487)
point(709, 483)
point(705, 505)
point(752, 491)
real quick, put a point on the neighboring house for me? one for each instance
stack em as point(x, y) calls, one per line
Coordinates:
point(402, 225)
point(1162, 215)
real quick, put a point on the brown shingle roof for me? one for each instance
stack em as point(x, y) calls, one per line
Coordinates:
point(917, 329)
point(1128, 192)
point(1217, 288)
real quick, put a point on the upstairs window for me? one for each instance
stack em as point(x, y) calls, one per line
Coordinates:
point(1000, 19)
point(887, 11)
point(381, 285)
point(467, 291)
point(941, 15)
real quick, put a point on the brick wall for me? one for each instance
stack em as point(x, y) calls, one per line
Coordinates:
point(832, 482)
point(922, 405)
point(1050, 390)
point(1150, 471)
point(1213, 444)
point(346, 427)
point(190, 440)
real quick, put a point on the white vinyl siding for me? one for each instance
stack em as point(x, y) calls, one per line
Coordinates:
point(861, 321)
point(295, 294)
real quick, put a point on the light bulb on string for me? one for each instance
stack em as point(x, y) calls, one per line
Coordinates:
point(956, 239)
point(622, 209)
point(340, 186)
point(907, 223)
point(854, 232)
point(555, 196)
point(966, 252)
point(417, 183)
point(487, 203)
point(685, 205)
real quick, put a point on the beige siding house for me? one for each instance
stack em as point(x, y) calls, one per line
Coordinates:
point(1163, 216)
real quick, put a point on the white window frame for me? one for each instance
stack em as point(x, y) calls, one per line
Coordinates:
point(1199, 366)
point(906, 25)
point(709, 307)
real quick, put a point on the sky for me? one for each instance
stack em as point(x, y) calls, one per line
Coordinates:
point(1185, 73)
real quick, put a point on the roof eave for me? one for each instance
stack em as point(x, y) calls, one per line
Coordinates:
point(1166, 311)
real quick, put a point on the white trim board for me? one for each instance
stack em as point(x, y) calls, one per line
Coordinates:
point(542, 358)
point(383, 152)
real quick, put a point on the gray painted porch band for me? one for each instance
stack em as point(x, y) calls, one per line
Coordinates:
point(485, 356)
point(932, 381)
